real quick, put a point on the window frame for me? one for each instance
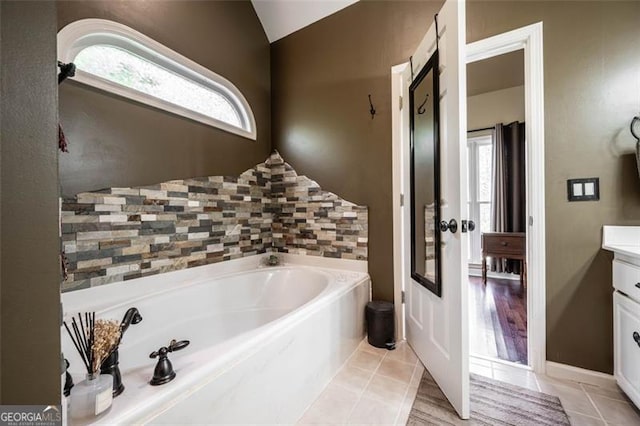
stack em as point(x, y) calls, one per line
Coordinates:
point(84, 33)
point(474, 141)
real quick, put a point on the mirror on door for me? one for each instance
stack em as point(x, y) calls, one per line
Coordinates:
point(424, 175)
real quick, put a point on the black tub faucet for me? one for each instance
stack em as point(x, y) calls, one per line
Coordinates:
point(110, 364)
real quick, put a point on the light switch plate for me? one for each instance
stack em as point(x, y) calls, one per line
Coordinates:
point(585, 189)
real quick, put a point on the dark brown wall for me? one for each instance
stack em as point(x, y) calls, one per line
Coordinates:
point(115, 142)
point(321, 122)
point(30, 276)
point(0, 208)
point(323, 73)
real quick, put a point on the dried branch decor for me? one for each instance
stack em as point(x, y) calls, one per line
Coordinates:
point(106, 340)
point(94, 340)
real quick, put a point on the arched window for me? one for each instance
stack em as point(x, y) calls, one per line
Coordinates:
point(120, 60)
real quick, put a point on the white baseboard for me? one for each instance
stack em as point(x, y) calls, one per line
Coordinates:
point(476, 271)
point(576, 374)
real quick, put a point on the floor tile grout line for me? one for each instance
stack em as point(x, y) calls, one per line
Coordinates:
point(395, 360)
point(342, 367)
point(581, 414)
point(353, 407)
point(406, 392)
point(375, 371)
point(607, 397)
point(593, 403)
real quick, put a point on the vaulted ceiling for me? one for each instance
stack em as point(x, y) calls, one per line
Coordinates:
point(280, 18)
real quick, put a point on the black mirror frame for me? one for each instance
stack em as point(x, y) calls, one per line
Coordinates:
point(431, 65)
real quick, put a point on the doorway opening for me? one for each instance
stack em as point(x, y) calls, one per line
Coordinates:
point(496, 188)
point(508, 313)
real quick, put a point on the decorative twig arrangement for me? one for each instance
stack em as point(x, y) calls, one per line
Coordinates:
point(94, 340)
point(107, 339)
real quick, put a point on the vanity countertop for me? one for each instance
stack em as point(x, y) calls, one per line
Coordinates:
point(624, 240)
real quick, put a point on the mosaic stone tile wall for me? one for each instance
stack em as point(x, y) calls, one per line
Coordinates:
point(124, 233)
point(308, 220)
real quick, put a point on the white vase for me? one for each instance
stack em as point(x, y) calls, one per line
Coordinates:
point(91, 397)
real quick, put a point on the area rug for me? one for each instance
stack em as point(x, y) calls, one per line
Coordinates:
point(492, 403)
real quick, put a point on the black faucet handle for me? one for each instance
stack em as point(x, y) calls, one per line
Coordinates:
point(173, 347)
point(160, 352)
point(176, 346)
point(163, 373)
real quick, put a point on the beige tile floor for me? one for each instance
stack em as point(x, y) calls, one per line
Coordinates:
point(376, 386)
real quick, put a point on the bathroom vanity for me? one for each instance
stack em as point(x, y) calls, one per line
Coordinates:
point(624, 242)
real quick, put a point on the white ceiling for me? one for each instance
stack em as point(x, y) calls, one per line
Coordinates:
point(496, 73)
point(280, 18)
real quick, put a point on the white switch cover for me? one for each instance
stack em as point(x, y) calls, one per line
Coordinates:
point(589, 188)
point(577, 189)
point(583, 189)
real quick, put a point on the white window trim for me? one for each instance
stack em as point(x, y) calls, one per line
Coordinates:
point(473, 142)
point(88, 32)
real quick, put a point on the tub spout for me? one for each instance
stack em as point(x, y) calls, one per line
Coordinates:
point(273, 260)
point(132, 316)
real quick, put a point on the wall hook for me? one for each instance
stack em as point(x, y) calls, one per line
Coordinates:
point(372, 110)
point(411, 64)
point(421, 108)
point(66, 70)
point(435, 19)
point(635, 121)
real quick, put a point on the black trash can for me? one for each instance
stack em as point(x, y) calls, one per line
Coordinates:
point(380, 324)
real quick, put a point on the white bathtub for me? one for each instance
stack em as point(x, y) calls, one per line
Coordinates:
point(264, 341)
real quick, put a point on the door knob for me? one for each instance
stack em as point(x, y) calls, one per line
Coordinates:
point(636, 337)
point(468, 225)
point(451, 226)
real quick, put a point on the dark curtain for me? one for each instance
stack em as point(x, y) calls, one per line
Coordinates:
point(508, 196)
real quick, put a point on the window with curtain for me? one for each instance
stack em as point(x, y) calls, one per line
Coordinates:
point(480, 157)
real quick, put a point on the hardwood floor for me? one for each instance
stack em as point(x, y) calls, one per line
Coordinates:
point(498, 315)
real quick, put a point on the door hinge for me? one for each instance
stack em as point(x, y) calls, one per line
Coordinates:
point(402, 298)
point(530, 220)
point(400, 102)
point(401, 200)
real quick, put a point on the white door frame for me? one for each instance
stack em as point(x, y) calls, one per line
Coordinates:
point(530, 39)
point(400, 120)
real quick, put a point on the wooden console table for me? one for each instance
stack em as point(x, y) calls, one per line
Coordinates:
point(507, 245)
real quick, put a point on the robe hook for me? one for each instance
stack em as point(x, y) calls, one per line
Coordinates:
point(372, 111)
point(421, 108)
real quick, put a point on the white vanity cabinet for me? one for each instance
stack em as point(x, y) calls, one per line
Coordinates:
point(626, 338)
point(624, 241)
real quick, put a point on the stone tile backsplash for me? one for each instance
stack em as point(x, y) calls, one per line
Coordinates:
point(308, 220)
point(124, 233)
